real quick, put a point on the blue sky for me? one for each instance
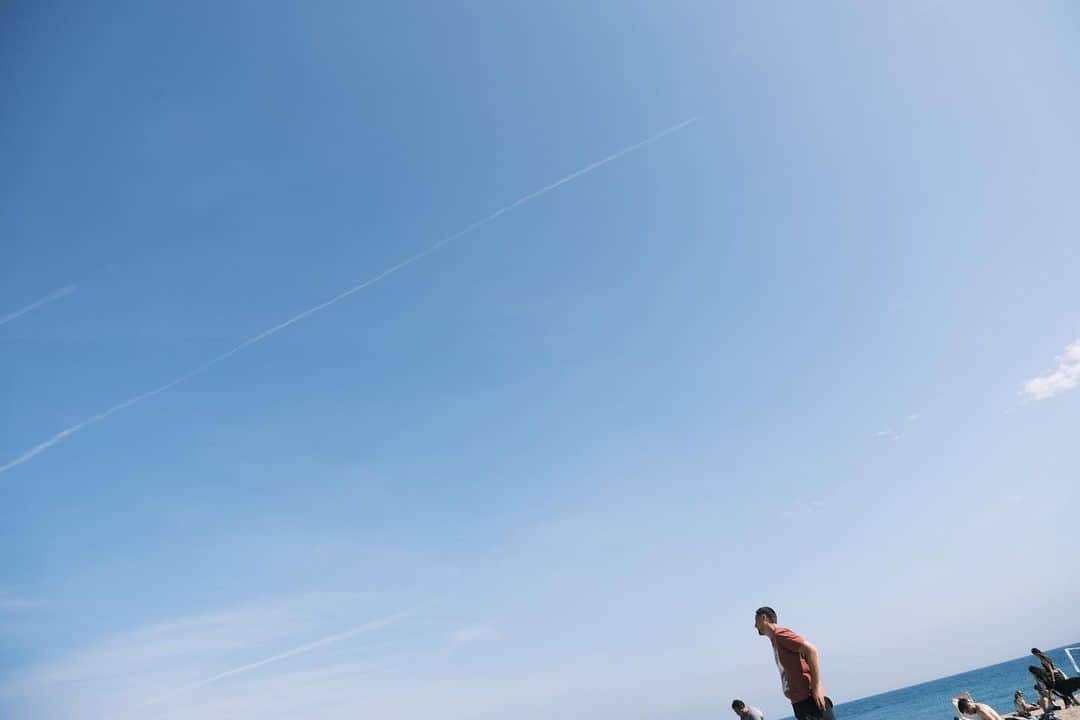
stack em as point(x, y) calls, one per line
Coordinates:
point(813, 350)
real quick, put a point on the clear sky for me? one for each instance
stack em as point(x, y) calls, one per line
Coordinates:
point(812, 350)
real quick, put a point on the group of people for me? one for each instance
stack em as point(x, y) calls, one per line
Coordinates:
point(1050, 680)
point(800, 679)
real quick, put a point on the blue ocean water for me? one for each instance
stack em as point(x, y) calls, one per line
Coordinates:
point(932, 700)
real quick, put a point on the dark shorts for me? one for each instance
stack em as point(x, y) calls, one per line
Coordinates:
point(808, 710)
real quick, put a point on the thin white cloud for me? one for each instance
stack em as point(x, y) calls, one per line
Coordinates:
point(423, 684)
point(1066, 376)
point(181, 660)
point(172, 644)
point(94, 419)
point(300, 650)
point(54, 295)
point(913, 417)
point(471, 634)
point(804, 509)
point(888, 434)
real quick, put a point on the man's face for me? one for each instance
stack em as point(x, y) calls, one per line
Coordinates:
point(759, 624)
point(741, 711)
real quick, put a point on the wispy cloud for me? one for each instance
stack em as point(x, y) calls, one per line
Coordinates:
point(94, 419)
point(299, 650)
point(470, 634)
point(805, 508)
point(161, 648)
point(174, 661)
point(890, 433)
point(1066, 376)
point(55, 295)
point(407, 674)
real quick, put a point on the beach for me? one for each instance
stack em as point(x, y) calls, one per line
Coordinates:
point(1072, 713)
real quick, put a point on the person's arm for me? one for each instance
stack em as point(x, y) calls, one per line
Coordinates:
point(810, 653)
point(987, 712)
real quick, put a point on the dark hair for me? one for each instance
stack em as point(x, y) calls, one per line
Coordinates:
point(768, 612)
point(737, 704)
point(1036, 651)
point(963, 705)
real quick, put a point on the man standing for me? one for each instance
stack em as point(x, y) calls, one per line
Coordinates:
point(746, 712)
point(800, 672)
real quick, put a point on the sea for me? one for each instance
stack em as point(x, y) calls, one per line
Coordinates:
point(932, 700)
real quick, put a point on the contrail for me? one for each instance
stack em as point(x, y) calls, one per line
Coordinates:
point(94, 419)
point(366, 627)
point(55, 295)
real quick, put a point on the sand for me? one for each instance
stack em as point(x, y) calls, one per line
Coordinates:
point(1072, 713)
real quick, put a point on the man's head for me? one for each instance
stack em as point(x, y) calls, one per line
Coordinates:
point(965, 706)
point(739, 707)
point(764, 620)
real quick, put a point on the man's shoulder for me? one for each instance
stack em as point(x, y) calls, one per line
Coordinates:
point(788, 634)
point(756, 714)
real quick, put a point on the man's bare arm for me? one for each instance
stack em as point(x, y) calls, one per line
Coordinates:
point(987, 712)
point(810, 652)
